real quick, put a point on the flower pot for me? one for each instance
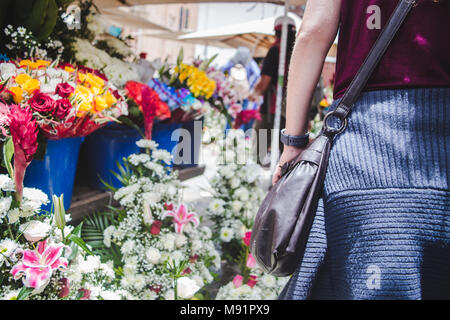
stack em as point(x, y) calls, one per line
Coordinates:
point(103, 149)
point(55, 174)
point(167, 136)
point(194, 131)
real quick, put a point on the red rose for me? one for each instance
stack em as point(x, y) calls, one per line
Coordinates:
point(193, 258)
point(186, 271)
point(86, 294)
point(168, 207)
point(64, 90)
point(252, 281)
point(65, 288)
point(62, 108)
point(41, 102)
point(156, 288)
point(155, 229)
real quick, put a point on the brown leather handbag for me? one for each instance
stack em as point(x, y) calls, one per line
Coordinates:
point(283, 222)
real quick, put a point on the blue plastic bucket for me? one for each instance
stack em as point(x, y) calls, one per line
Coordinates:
point(194, 129)
point(166, 135)
point(102, 150)
point(55, 174)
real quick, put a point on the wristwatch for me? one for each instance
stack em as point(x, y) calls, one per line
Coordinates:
point(295, 141)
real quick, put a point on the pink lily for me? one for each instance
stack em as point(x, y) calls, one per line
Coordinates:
point(37, 265)
point(181, 217)
point(251, 262)
point(237, 281)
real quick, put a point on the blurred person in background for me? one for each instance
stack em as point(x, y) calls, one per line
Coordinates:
point(266, 88)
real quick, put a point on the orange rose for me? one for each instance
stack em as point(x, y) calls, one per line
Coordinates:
point(22, 78)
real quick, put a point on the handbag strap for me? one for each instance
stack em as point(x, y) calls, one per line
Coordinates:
point(358, 83)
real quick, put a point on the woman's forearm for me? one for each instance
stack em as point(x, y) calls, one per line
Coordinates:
point(316, 35)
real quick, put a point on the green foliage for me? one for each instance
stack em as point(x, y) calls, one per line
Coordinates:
point(92, 233)
point(8, 152)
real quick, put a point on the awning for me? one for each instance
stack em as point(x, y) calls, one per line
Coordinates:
point(119, 3)
point(257, 35)
point(122, 17)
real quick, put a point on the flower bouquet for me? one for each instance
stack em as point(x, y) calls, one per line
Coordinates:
point(186, 88)
point(65, 101)
point(160, 250)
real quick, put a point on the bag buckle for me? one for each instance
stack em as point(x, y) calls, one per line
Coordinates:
point(331, 130)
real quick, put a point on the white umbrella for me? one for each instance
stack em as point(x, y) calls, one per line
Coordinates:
point(257, 35)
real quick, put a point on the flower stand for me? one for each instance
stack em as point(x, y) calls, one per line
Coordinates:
point(166, 135)
point(194, 128)
point(55, 174)
point(104, 148)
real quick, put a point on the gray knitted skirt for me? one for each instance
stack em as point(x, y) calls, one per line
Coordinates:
point(382, 229)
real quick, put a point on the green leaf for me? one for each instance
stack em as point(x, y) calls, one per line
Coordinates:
point(8, 152)
point(24, 293)
point(180, 57)
point(80, 242)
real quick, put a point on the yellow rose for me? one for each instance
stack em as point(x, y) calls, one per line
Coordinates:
point(84, 105)
point(100, 104)
point(18, 94)
point(81, 77)
point(43, 63)
point(69, 69)
point(110, 99)
point(95, 81)
point(84, 92)
point(22, 78)
point(31, 86)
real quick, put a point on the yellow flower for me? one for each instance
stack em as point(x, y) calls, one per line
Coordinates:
point(18, 94)
point(84, 92)
point(109, 98)
point(100, 104)
point(43, 63)
point(84, 106)
point(324, 103)
point(95, 81)
point(69, 69)
point(31, 86)
point(22, 78)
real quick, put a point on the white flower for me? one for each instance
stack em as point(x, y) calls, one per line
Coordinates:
point(91, 264)
point(152, 197)
point(235, 182)
point(168, 241)
point(236, 206)
point(139, 282)
point(196, 245)
point(217, 205)
point(226, 234)
point(198, 280)
point(153, 255)
point(7, 70)
point(6, 183)
point(107, 234)
point(7, 248)
point(162, 155)
point(147, 214)
point(110, 295)
point(5, 204)
point(268, 280)
point(180, 240)
point(34, 230)
point(186, 288)
point(34, 198)
point(242, 194)
point(169, 295)
point(128, 247)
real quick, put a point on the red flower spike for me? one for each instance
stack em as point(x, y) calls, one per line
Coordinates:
point(247, 238)
point(23, 129)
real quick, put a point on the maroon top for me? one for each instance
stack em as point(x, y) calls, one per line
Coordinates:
point(419, 55)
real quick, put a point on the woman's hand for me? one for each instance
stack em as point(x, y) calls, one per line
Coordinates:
point(288, 154)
